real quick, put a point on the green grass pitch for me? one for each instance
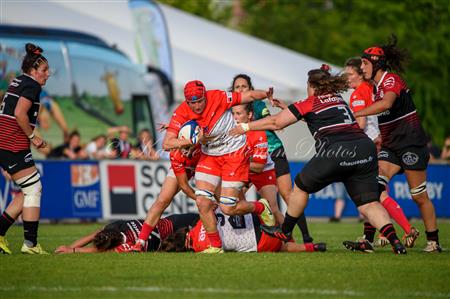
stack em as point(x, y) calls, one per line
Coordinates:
point(337, 273)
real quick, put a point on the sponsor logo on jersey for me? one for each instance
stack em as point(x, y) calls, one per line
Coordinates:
point(410, 158)
point(358, 103)
point(383, 154)
point(229, 96)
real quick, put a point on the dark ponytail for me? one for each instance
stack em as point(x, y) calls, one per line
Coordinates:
point(33, 58)
point(395, 57)
point(323, 82)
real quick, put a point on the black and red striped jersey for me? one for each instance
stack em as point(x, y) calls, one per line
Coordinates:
point(400, 125)
point(327, 116)
point(130, 229)
point(12, 137)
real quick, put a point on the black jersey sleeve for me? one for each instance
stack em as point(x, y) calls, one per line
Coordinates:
point(295, 111)
point(31, 90)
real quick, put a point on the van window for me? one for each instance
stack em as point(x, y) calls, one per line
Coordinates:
point(12, 51)
point(103, 96)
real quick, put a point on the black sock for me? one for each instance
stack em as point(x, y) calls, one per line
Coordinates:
point(389, 232)
point(303, 226)
point(433, 236)
point(289, 223)
point(5, 223)
point(369, 232)
point(30, 229)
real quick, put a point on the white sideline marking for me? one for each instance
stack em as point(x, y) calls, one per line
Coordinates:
point(155, 289)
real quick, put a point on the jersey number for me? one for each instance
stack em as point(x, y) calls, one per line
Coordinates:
point(348, 119)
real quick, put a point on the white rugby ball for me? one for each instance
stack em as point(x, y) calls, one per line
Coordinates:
point(190, 131)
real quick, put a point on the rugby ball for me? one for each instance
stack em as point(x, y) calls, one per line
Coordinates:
point(190, 131)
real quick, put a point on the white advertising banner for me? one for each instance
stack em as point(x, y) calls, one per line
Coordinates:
point(129, 188)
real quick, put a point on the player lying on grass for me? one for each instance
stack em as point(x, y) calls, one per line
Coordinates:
point(239, 234)
point(120, 235)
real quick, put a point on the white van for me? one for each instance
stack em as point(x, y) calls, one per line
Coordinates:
point(94, 85)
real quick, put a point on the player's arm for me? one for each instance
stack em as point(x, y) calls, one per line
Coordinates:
point(362, 121)
point(253, 95)
point(273, 122)
point(183, 183)
point(21, 115)
point(379, 106)
point(171, 141)
point(83, 241)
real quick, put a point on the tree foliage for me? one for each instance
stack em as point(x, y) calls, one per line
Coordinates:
point(336, 30)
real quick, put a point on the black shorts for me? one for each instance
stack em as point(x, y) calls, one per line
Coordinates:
point(408, 158)
point(352, 162)
point(278, 156)
point(13, 162)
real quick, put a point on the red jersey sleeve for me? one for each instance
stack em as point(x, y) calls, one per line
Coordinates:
point(260, 145)
point(357, 101)
point(301, 108)
point(392, 83)
point(227, 99)
point(177, 162)
point(178, 118)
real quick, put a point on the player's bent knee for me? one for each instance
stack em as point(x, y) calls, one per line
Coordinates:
point(228, 210)
point(32, 190)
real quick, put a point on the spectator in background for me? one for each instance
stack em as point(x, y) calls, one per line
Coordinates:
point(96, 149)
point(446, 150)
point(121, 147)
point(339, 203)
point(71, 149)
point(433, 149)
point(144, 148)
point(49, 107)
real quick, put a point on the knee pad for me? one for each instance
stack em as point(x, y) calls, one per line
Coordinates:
point(208, 194)
point(228, 201)
point(32, 190)
point(383, 182)
point(419, 189)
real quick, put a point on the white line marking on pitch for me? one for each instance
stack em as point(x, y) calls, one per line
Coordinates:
point(155, 289)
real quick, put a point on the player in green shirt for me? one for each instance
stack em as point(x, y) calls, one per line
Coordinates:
point(243, 83)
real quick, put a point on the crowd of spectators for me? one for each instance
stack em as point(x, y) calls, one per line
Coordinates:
point(115, 144)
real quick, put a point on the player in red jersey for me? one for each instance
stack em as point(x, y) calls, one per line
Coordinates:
point(262, 169)
point(239, 233)
point(119, 236)
point(241, 83)
point(183, 162)
point(223, 162)
point(360, 99)
point(404, 143)
point(344, 153)
point(18, 116)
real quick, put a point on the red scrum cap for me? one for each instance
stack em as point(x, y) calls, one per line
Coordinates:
point(194, 90)
point(373, 54)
